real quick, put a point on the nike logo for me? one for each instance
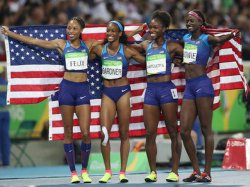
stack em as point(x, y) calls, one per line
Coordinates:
point(163, 96)
point(105, 57)
point(82, 97)
point(198, 90)
point(124, 90)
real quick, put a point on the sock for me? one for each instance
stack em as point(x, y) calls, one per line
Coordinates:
point(84, 171)
point(122, 173)
point(70, 156)
point(108, 171)
point(85, 152)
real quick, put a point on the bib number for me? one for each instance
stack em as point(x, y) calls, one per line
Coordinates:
point(111, 69)
point(156, 64)
point(190, 53)
point(76, 61)
point(174, 93)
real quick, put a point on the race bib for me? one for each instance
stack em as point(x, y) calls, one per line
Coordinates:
point(111, 69)
point(174, 93)
point(156, 64)
point(190, 53)
point(76, 61)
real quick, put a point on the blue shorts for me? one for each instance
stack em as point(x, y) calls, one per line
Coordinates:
point(198, 87)
point(115, 93)
point(73, 93)
point(160, 93)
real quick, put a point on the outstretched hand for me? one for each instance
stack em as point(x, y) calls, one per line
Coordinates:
point(4, 30)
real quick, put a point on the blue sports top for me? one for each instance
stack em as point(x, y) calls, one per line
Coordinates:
point(158, 60)
point(76, 59)
point(196, 51)
point(116, 66)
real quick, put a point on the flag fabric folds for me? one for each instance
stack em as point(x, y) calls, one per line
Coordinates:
point(34, 74)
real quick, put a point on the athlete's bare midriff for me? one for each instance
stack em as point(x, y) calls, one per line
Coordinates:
point(163, 78)
point(75, 76)
point(116, 82)
point(194, 70)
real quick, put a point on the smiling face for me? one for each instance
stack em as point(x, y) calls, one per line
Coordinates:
point(73, 30)
point(156, 29)
point(113, 32)
point(192, 23)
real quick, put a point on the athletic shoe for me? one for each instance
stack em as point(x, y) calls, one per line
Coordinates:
point(105, 178)
point(86, 178)
point(123, 178)
point(204, 178)
point(74, 178)
point(172, 177)
point(192, 177)
point(152, 177)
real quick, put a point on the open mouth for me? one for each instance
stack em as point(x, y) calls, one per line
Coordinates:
point(110, 37)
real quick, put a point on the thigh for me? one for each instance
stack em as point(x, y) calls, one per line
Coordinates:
point(151, 117)
point(205, 111)
point(124, 111)
point(108, 112)
point(169, 111)
point(67, 113)
point(83, 115)
point(188, 114)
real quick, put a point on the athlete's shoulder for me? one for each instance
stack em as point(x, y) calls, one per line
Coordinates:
point(186, 36)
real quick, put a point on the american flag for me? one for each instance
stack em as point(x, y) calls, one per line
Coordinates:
point(34, 74)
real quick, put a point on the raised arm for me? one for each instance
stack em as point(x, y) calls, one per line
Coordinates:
point(137, 31)
point(219, 40)
point(134, 54)
point(51, 44)
point(97, 49)
point(93, 43)
point(140, 47)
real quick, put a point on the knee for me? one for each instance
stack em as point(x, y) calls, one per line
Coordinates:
point(85, 136)
point(173, 135)
point(173, 132)
point(104, 136)
point(124, 136)
point(68, 133)
point(185, 134)
point(206, 132)
point(150, 135)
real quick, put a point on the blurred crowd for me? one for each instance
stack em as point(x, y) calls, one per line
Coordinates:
point(219, 13)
